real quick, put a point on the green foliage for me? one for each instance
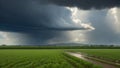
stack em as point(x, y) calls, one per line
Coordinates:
point(79, 63)
point(61, 47)
point(105, 54)
point(34, 58)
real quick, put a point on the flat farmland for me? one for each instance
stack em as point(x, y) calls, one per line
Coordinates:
point(112, 55)
point(40, 58)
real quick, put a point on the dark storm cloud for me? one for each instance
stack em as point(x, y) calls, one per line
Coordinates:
point(36, 15)
point(47, 37)
point(87, 4)
point(40, 22)
point(45, 21)
point(28, 15)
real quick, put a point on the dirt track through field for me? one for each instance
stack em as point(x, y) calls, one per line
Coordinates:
point(104, 65)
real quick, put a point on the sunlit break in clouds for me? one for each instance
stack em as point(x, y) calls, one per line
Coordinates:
point(114, 12)
point(11, 38)
point(4, 37)
point(76, 20)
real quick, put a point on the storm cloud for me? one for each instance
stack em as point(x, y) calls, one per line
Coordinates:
point(40, 22)
point(54, 21)
point(87, 4)
point(28, 15)
point(36, 15)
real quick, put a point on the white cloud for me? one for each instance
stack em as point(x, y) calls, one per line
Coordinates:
point(75, 17)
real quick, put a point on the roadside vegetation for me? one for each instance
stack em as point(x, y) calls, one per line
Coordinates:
point(108, 55)
point(79, 63)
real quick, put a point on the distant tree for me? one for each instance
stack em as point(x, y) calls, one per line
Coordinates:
point(3, 45)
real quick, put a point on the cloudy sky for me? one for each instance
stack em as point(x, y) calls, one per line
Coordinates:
point(34, 22)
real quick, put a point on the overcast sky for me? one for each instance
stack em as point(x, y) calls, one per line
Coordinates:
point(34, 22)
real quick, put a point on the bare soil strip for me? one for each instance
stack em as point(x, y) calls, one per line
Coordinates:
point(93, 60)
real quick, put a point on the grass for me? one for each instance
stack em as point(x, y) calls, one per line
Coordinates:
point(105, 54)
point(79, 63)
point(44, 58)
point(32, 59)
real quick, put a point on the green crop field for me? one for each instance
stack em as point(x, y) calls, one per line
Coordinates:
point(35, 58)
point(112, 55)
